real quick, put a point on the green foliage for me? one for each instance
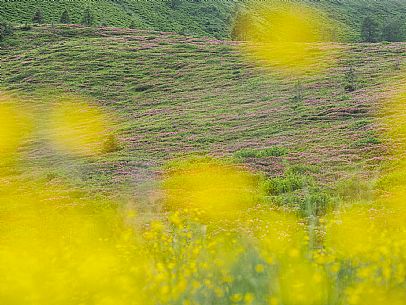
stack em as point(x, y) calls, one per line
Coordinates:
point(350, 84)
point(198, 18)
point(367, 141)
point(65, 18)
point(111, 144)
point(393, 30)
point(287, 184)
point(174, 3)
point(298, 190)
point(316, 202)
point(355, 189)
point(240, 26)
point(370, 30)
point(261, 153)
point(26, 27)
point(214, 18)
point(133, 25)
point(38, 17)
point(5, 30)
point(88, 17)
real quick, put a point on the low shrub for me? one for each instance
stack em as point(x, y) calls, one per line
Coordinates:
point(5, 29)
point(111, 144)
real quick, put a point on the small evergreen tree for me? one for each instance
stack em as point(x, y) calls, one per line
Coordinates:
point(393, 31)
point(370, 30)
point(299, 92)
point(65, 18)
point(350, 80)
point(38, 17)
point(5, 29)
point(133, 25)
point(88, 18)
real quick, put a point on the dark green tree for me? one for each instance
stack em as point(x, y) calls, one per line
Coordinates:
point(174, 3)
point(38, 17)
point(133, 25)
point(65, 18)
point(370, 30)
point(5, 29)
point(88, 18)
point(393, 31)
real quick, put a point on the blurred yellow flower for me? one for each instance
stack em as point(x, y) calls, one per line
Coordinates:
point(303, 283)
point(218, 190)
point(283, 34)
point(14, 127)
point(78, 127)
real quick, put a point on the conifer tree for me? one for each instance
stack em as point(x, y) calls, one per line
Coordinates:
point(38, 17)
point(65, 18)
point(88, 18)
point(370, 30)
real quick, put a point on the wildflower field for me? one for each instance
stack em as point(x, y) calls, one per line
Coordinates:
point(143, 167)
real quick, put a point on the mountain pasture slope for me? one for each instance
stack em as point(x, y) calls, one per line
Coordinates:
point(171, 94)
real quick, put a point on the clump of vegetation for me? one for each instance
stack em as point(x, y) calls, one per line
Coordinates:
point(392, 30)
point(274, 151)
point(298, 93)
point(356, 189)
point(398, 64)
point(26, 27)
point(370, 30)
point(111, 144)
point(297, 189)
point(174, 4)
point(133, 25)
point(5, 29)
point(65, 18)
point(88, 17)
point(288, 183)
point(38, 17)
point(350, 80)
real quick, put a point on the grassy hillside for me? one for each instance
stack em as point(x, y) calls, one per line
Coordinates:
point(352, 12)
point(347, 15)
point(211, 18)
point(174, 94)
point(201, 18)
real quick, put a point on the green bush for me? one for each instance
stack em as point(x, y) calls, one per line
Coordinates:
point(88, 17)
point(65, 18)
point(316, 203)
point(38, 17)
point(111, 144)
point(370, 30)
point(350, 80)
point(286, 184)
point(5, 30)
point(393, 30)
point(26, 27)
point(133, 25)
